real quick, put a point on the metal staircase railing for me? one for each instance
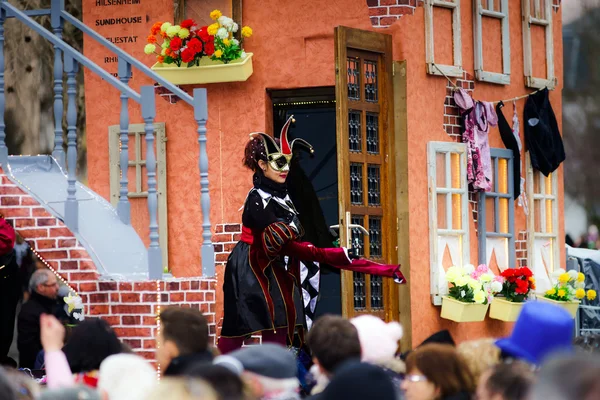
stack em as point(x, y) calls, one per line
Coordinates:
point(67, 60)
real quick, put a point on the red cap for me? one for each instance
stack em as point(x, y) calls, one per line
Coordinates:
point(7, 237)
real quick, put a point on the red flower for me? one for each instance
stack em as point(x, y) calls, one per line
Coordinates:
point(508, 272)
point(522, 287)
point(203, 34)
point(187, 24)
point(526, 272)
point(195, 45)
point(187, 55)
point(209, 47)
point(175, 44)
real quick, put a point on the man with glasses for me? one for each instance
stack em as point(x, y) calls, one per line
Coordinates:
point(43, 286)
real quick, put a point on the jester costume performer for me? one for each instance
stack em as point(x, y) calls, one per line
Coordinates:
point(265, 278)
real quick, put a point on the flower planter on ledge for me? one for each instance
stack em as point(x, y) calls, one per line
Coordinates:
point(505, 310)
point(570, 306)
point(208, 71)
point(458, 311)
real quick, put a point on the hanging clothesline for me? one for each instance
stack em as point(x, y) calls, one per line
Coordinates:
point(456, 87)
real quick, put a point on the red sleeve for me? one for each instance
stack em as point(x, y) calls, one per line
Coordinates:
point(307, 252)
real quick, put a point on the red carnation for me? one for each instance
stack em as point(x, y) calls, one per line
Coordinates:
point(522, 287)
point(195, 45)
point(526, 272)
point(175, 44)
point(508, 273)
point(209, 47)
point(187, 55)
point(187, 24)
point(203, 34)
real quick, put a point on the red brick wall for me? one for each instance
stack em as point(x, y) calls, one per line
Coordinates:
point(130, 307)
point(384, 13)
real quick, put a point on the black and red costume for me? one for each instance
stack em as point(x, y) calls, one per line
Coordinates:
point(262, 279)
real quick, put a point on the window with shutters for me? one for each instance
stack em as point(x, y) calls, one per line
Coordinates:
point(448, 212)
point(543, 250)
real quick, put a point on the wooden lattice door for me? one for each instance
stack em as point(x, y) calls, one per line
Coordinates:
point(365, 133)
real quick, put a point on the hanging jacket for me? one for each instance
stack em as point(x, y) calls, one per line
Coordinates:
point(542, 136)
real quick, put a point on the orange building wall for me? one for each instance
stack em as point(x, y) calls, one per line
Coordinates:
point(293, 47)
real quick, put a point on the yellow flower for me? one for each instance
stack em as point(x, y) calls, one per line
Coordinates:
point(226, 42)
point(564, 278)
point(580, 277)
point(212, 29)
point(551, 292)
point(184, 33)
point(246, 31)
point(218, 53)
point(591, 294)
point(165, 26)
point(562, 293)
point(580, 293)
point(173, 30)
point(215, 14)
point(149, 48)
point(479, 297)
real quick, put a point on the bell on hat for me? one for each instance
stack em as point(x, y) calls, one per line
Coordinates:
point(541, 330)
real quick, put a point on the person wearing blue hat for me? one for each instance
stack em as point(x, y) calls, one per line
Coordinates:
point(541, 330)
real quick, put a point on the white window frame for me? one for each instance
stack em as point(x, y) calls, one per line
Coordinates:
point(438, 288)
point(532, 234)
point(546, 5)
point(480, 11)
point(137, 134)
point(455, 70)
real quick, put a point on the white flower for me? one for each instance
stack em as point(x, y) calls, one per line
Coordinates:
point(235, 42)
point(149, 48)
point(469, 269)
point(573, 274)
point(221, 20)
point(496, 287)
point(579, 285)
point(557, 273)
point(235, 27)
point(479, 297)
point(78, 316)
point(462, 293)
point(486, 278)
point(222, 33)
point(243, 55)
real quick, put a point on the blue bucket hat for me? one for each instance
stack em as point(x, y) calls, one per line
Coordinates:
point(541, 329)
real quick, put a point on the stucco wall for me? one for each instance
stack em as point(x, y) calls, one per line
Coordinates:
point(293, 47)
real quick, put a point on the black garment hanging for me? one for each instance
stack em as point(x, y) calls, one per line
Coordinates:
point(542, 136)
point(510, 142)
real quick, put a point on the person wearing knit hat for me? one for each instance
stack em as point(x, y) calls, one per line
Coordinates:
point(9, 287)
point(378, 340)
point(359, 381)
point(119, 371)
